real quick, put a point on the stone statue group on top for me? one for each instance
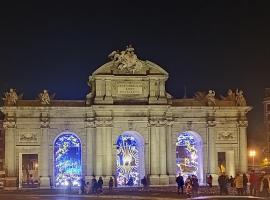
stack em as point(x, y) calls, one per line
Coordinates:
point(126, 60)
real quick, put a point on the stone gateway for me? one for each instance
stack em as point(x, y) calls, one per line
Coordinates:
point(127, 127)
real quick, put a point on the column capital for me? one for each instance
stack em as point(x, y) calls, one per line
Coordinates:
point(103, 122)
point(10, 122)
point(90, 122)
point(242, 123)
point(211, 123)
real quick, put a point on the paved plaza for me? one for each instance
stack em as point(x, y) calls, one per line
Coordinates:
point(166, 192)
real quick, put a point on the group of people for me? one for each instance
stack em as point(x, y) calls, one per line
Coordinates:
point(191, 185)
point(251, 184)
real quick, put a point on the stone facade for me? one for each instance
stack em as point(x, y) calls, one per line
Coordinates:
point(127, 97)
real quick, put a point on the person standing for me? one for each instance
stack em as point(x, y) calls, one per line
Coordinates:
point(180, 184)
point(94, 185)
point(222, 182)
point(144, 183)
point(111, 184)
point(188, 186)
point(195, 185)
point(245, 182)
point(253, 179)
point(239, 183)
point(210, 180)
point(265, 186)
point(82, 186)
point(100, 184)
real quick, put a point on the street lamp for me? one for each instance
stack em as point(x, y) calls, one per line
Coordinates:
point(252, 153)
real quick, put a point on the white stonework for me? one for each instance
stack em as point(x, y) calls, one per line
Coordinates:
point(127, 100)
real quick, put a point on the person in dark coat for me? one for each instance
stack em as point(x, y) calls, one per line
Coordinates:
point(94, 185)
point(144, 183)
point(195, 185)
point(82, 186)
point(180, 184)
point(100, 184)
point(222, 182)
point(110, 184)
point(245, 182)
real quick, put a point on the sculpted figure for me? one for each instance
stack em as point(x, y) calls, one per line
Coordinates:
point(44, 97)
point(11, 97)
point(211, 101)
point(240, 99)
point(126, 60)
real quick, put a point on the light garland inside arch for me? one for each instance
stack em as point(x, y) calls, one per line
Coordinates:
point(67, 154)
point(127, 161)
point(186, 155)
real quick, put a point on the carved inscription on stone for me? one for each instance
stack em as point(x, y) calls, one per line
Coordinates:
point(129, 88)
point(226, 135)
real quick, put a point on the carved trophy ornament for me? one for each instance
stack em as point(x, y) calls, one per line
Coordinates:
point(126, 60)
point(11, 97)
point(236, 97)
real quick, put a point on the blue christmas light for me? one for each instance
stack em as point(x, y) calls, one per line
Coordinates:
point(67, 162)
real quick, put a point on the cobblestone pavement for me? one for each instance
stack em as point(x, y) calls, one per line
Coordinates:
point(158, 193)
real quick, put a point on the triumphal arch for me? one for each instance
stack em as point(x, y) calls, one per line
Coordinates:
point(127, 127)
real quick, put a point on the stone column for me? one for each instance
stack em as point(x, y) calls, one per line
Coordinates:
point(154, 154)
point(169, 145)
point(10, 154)
point(212, 152)
point(44, 155)
point(99, 151)
point(243, 145)
point(109, 152)
point(90, 139)
point(230, 164)
point(164, 179)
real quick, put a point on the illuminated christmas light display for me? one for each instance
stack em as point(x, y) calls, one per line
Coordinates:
point(127, 161)
point(186, 155)
point(67, 160)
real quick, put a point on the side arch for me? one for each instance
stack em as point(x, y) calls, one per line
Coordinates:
point(67, 151)
point(189, 154)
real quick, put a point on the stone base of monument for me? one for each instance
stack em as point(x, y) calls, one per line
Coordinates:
point(163, 180)
point(172, 179)
point(10, 183)
point(44, 183)
point(154, 179)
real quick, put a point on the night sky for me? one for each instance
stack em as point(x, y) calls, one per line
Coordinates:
point(201, 44)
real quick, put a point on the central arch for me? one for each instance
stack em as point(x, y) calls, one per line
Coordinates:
point(129, 159)
point(67, 160)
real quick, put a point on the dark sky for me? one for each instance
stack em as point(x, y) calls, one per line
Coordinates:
point(202, 44)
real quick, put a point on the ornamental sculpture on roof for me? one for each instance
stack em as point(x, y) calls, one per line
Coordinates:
point(45, 98)
point(236, 98)
point(11, 97)
point(126, 60)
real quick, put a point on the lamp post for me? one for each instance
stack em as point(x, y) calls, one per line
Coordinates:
point(252, 153)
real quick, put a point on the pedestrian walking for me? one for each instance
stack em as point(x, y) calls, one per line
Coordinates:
point(254, 181)
point(111, 184)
